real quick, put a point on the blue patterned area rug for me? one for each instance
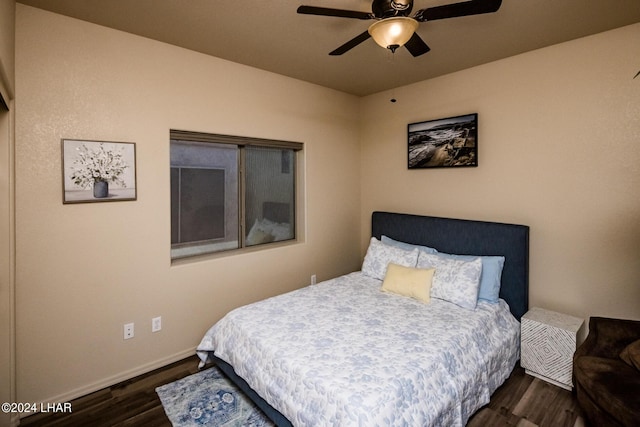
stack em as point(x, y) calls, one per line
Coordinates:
point(208, 398)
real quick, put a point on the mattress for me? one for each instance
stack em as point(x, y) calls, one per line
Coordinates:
point(345, 353)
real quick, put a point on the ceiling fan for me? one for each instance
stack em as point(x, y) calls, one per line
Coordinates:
point(394, 27)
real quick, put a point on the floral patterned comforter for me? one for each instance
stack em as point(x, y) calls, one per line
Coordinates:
point(345, 353)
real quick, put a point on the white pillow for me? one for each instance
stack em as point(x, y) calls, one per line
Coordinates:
point(258, 235)
point(406, 246)
point(265, 231)
point(456, 281)
point(380, 255)
point(280, 231)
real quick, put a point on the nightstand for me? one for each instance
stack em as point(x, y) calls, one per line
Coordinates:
point(547, 344)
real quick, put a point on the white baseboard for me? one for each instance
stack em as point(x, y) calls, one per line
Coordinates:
point(123, 376)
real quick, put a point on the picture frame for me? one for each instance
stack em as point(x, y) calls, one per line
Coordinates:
point(443, 143)
point(98, 171)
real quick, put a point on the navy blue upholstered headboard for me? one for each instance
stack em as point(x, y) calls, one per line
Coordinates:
point(465, 237)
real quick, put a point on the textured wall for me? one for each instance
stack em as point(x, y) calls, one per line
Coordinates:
point(7, 232)
point(84, 270)
point(558, 150)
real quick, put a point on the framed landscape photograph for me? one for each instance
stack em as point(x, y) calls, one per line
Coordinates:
point(98, 171)
point(442, 143)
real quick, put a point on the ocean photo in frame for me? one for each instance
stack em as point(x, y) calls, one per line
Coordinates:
point(443, 143)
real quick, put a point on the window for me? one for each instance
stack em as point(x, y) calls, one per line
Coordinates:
point(230, 192)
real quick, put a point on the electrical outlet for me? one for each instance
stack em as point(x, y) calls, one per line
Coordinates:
point(313, 279)
point(156, 324)
point(128, 331)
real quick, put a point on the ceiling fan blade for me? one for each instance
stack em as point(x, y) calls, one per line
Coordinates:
point(341, 13)
point(465, 8)
point(416, 46)
point(351, 44)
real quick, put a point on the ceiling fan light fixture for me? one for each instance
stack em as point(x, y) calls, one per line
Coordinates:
point(392, 33)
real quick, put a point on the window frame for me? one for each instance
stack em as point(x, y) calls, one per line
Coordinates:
point(242, 142)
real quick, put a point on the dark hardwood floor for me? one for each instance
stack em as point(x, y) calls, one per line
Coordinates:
point(130, 403)
point(522, 401)
point(526, 401)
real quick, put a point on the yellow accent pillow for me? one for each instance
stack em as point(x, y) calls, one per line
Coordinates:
point(408, 281)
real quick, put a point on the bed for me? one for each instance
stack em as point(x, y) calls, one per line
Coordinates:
point(346, 352)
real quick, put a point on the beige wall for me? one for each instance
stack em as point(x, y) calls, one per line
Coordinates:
point(7, 47)
point(84, 270)
point(559, 133)
point(558, 151)
point(7, 278)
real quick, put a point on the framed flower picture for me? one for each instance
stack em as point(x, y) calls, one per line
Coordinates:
point(98, 171)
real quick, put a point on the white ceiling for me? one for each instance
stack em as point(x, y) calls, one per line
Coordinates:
point(270, 35)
